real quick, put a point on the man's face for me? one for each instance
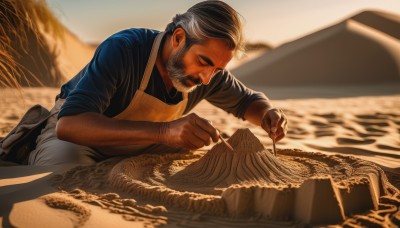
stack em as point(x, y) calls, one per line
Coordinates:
point(189, 67)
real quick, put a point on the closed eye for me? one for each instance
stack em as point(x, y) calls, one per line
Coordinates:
point(202, 62)
point(205, 61)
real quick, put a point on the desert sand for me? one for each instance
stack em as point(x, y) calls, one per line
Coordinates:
point(358, 141)
point(338, 165)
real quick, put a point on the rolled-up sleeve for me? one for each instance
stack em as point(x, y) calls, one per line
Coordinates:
point(100, 79)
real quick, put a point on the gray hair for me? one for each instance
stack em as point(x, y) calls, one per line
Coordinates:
point(210, 19)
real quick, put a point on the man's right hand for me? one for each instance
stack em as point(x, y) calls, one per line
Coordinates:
point(191, 132)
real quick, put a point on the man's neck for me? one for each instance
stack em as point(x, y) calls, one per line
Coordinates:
point(161, 62)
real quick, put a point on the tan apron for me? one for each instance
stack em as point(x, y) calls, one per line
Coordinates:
point(145, 107)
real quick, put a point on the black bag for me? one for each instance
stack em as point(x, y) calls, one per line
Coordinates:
point(17, 145)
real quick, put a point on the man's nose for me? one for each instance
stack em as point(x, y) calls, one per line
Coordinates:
point(206, 76)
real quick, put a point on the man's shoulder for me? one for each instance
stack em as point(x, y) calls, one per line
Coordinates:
point(134, 37)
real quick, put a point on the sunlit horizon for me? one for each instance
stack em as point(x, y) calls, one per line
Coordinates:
point(271, 22)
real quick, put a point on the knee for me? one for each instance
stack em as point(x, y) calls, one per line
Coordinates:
point(57, 152)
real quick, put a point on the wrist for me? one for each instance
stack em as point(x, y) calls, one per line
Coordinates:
point(162, 132)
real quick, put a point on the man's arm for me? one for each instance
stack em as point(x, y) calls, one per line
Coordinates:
point(95, 130)
point(256, 111)
point(272, 120)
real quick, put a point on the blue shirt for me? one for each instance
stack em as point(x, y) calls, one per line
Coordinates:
point(109, 81)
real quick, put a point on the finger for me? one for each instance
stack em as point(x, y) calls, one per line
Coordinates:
point(192, 142)
point(280, 134)
point(281, 122)
point(207, 126)
point(275, 116)
point(282, 129)
point(266, 124)
point(190, 146)
point(196, 137)
point(201, 135)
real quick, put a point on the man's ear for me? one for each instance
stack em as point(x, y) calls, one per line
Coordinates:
point(178, 37)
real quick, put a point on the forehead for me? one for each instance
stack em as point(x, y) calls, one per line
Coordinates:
point(214, 49)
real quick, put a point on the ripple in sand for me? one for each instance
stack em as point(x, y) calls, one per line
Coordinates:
point(353, 141)
point(250, 182)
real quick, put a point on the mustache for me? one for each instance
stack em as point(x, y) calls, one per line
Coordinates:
point(196, 81)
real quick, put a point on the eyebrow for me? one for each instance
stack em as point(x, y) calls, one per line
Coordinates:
point(208, 61)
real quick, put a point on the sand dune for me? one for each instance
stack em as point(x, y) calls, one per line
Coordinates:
point(72, 53)
point(349, 52)
point(36, 48)
point(385, 22)
point(339, 163)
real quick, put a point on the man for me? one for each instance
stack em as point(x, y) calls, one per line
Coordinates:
point(133, 95)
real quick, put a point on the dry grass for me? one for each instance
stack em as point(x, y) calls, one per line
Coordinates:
point(23, 49)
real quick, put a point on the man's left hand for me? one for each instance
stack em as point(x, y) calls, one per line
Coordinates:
point(275, 123)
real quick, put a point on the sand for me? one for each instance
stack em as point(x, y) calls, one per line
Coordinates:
point(36, 49)
point(352, 51)
point(180, 189)
point(338, 165)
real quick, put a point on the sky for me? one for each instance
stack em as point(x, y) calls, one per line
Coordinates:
point(270, 21)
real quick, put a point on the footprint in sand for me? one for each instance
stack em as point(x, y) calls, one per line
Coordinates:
point(352, 141)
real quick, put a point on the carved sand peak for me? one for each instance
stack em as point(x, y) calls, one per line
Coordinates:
point(245, 141)
point(252, 182)
point(248, 163)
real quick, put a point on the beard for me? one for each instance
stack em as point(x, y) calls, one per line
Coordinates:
point(176, 71)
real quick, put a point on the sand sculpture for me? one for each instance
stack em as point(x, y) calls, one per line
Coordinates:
point(250, 182)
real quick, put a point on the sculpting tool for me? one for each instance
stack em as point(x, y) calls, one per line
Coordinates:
point(225, 142)
point(274, 146)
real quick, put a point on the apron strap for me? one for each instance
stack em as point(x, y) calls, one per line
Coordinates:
point(151, 61)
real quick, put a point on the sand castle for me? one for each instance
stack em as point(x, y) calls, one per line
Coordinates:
point(250, 182)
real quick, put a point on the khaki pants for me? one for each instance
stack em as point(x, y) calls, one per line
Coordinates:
point(52, 151)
